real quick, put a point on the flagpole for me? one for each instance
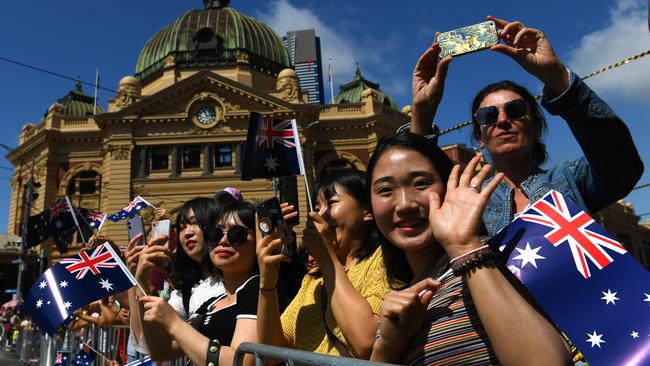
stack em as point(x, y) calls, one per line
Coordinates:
point(124, 268)
point(301, 161)
point(74, 217)
point(96, 87)
point(330, 73)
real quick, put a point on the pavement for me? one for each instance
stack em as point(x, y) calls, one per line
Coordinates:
point(8, 358)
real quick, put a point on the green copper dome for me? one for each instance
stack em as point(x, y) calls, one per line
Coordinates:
point(214, 36)
point(78, 104)
point(351, 92)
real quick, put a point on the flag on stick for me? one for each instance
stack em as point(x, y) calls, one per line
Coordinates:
point(272, 148)
point(130, 210)
point(58, 221)
point(587, 282)
point(74, 282)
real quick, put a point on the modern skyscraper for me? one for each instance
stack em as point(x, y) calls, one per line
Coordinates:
point(304, 51)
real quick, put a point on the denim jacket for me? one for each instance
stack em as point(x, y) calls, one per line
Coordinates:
point(607, 172)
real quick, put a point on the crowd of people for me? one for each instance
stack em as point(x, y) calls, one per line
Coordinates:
point(392, 265)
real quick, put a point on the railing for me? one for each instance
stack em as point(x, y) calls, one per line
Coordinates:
point(293, 357)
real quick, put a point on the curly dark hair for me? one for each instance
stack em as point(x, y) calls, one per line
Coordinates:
point(539, 148)
point(398, 271)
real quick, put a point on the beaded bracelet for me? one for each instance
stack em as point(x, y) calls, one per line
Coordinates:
point(472, 259)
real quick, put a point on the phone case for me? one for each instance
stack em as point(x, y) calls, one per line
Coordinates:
point(161, 228)
point(135, 226)
point(468, 39)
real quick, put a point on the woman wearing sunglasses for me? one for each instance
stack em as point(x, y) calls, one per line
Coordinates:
point(194, 276)
point(335, 310)
point(509, 124)
point(225, 320)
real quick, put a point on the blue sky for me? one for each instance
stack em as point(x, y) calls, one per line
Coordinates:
point(75, 37)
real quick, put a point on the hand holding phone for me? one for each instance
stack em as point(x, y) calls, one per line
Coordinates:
point(468, 39)
point(270, 217)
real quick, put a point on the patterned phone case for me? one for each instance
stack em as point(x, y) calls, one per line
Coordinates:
point(468, 39)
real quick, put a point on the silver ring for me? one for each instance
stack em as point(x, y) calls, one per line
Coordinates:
point(475, 187)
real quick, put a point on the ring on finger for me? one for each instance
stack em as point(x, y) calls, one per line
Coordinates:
point(475, 187)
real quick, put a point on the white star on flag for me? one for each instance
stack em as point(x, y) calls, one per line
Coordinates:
point(609, 297)
point(39, 303)
point(634, 334)
point(67, 304)
point(271, 163)
point(647, 298)
point(106, 285)
point(595, 339)
point(42, 285)
point(528, 255)
point(49, 302)
point(63, 284)
point(58, 224)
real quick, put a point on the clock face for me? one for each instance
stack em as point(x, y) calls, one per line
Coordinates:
point(206, 115)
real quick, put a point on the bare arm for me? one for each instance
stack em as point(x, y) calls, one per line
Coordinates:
point(352, 312)
point(428, 87)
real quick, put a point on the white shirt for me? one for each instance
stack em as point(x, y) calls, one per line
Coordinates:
point(201, 292)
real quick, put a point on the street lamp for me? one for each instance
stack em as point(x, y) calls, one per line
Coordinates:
point(28, 199)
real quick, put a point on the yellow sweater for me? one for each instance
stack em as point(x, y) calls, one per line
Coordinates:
point(302, 320)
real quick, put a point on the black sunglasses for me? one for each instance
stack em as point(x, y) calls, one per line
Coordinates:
point(236, 235)
point(514, 109)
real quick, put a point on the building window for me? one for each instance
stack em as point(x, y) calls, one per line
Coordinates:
point(86, 182)
point(222, 156)
point(160, 158)
point(191, 157)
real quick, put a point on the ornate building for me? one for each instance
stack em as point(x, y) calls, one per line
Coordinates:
point(175, 130)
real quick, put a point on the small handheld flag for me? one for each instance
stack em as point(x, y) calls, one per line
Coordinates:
point(131, 209)
point(589, 285)
point(272, 148)
point(74, 282)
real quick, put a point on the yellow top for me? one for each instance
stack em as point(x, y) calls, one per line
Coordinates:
point(302, 320)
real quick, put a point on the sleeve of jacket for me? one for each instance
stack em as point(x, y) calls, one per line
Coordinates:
point(614, 165)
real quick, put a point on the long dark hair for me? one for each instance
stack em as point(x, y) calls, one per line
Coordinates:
point(354, 184)
point(186, 272)
point(539, 148)
point(398, 271)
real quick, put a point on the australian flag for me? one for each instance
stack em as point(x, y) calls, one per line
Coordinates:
point(592, 288)
point(61, 359)
point(130, 210)
point(74, 282)
point(272, 148)
point(85, 357)
point(58, 221)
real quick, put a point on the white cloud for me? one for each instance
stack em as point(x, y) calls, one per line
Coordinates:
point(344, 48)
point(626, 34)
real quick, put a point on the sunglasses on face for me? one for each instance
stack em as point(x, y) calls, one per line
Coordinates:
point(236, 235)
point(514, 109)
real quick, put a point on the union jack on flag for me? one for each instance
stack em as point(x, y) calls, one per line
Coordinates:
point(552, 248)
point(59, 207)
point(586, 245)
point(65, 286)
point(82, 263)
point(96, 219)
point(272, 148)
point(275, 132)
point(130, 210)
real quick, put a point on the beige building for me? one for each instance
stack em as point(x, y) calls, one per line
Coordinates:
point(176, 129)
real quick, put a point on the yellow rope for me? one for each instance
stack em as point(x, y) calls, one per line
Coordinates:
point(607, 68)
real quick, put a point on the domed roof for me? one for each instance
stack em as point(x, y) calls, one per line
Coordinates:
point(213, 36)
point(352, 91)
point(78, 104)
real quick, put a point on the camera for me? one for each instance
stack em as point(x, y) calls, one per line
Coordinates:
point(270, 217)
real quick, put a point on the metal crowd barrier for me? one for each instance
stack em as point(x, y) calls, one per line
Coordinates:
point(293, 356)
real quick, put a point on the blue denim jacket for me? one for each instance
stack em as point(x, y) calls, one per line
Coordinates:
point(607, 172)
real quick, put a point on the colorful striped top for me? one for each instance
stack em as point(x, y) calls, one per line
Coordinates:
point(451, 333)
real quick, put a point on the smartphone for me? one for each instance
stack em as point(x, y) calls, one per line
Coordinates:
point(161, 228)
point(468, 39)
point(288, 188)
point(269, 215)
point(135, 225)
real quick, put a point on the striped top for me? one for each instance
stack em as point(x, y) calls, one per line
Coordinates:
point(451, 333)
